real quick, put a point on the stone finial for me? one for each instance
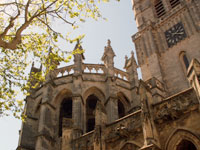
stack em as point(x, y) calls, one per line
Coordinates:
point(108, 52)
point(131, 62)
point(131, 68)
point(78, 47)
point(109, 43)
point(126, 61)
point(78, 58)
point(108, 58)
point(126, 57)
point(132, 53)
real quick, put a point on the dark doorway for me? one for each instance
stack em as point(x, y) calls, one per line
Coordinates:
point(65, 112)
point(186, 145)
point(90, 108)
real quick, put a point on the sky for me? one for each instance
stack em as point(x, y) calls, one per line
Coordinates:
point(119, 28)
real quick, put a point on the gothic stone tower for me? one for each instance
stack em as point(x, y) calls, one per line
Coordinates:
point(167, 40)
point(99, 107)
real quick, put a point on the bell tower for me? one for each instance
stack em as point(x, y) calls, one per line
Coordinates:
point(167, 40)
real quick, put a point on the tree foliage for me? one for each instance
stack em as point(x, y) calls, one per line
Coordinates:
point(26, 33)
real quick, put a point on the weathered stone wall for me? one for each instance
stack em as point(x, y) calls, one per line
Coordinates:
point(155, 58)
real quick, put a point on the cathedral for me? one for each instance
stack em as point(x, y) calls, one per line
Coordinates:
point(100, 107)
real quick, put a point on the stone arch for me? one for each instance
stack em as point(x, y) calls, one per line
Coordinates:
point(123, 104)
point(63, 104)
point(95, 91)
point(184, 60)
point(186, 145)
point(90, 97)
point(64, 93)
point(178, 136)
point(132, 144)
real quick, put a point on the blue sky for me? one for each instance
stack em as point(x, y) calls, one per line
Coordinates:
point(119, 28)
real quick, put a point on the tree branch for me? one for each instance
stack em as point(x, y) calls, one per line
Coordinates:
point(11, 24)
point(6, 4)
point(26, 10)
point(64, 19)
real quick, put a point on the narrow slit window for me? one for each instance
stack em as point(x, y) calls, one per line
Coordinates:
point(186, 62)
point(159, 8)
point(121, 109)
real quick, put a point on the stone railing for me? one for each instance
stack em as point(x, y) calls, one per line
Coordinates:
point(89, 68)
point(124, 127)
point(120, 74)
point(85, 141)
point(174, 106)
point(64, 71)
point(94, 68)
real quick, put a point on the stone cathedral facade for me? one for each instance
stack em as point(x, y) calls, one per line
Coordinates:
point(99, 107)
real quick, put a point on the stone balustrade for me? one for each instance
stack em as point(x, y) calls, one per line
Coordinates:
point(89, 68)
point(120, 74)
point(94, 68)
point(64, 71)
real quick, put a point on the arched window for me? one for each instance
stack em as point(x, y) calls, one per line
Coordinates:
point(159, 8)
point(121, 109)
point(174, 3)
point(123, 104)
point(65, 119)
point(186, 145)
point(184, 61)
point(90, 108)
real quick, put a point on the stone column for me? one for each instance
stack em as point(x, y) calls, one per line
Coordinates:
point(77, 115)
point(100, 122)
point(112, 109)
point(77, 108)
point(148, 125)
point(67, 134)
point(111, 104)
point(45, 140)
